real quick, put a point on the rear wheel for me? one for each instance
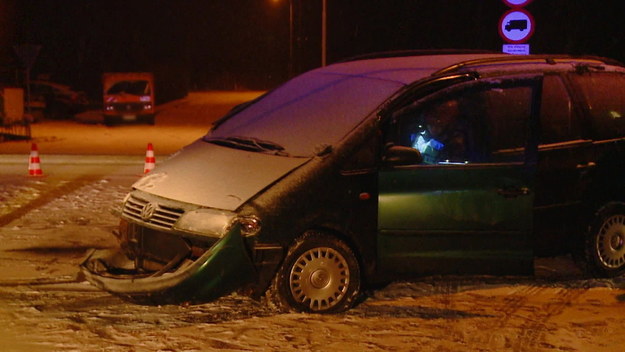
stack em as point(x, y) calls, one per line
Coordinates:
point(605, 241)
point(320, 274)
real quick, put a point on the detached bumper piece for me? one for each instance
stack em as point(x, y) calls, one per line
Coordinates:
point(223, 268)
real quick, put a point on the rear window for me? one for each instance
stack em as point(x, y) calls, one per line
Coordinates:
point(605, 97)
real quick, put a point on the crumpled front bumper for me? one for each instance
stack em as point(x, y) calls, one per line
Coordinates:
point(223, 268)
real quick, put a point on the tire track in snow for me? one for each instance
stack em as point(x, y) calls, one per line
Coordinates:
point(533, 333)
point(508, 308)
point(47, 197)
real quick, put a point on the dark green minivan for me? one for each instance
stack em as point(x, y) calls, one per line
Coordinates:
point(384, 168)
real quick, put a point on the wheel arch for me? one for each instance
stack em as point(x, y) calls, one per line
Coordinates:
point(341, 235)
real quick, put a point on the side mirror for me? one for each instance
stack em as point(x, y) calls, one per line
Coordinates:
point(399, 155)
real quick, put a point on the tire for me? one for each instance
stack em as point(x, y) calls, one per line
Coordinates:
point(149, 119)
point(109, 121)
point(320, 274)
point(605, 242)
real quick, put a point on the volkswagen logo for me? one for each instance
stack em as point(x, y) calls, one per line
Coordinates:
point(147, 211)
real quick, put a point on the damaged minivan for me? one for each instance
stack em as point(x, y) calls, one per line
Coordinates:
point(383, 168)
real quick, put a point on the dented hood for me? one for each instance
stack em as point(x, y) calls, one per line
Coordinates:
point(215, 176)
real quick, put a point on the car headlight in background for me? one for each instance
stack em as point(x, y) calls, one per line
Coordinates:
point(216, 223)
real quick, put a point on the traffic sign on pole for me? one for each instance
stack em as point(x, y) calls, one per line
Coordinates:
point(516, 26)
point(517, 3)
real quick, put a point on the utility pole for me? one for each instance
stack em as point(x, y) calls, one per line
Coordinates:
point(323, 33)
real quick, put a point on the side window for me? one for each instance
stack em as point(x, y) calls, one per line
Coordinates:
point(442, 133)
point(508, 112)
point(474, 125)
point(556, 113)
point(605, 96)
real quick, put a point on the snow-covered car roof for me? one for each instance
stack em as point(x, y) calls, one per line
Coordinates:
point(318, 108)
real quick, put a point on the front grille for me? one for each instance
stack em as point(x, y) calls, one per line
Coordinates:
point(128, 107)
point(159, 215)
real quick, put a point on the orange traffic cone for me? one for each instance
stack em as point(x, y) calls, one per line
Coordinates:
point(150, 161)
point(34, 164)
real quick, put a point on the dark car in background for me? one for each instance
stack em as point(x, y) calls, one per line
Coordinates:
point(57, 101)
point(384, 168)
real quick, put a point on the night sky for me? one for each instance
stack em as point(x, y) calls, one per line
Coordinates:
point(244, 44)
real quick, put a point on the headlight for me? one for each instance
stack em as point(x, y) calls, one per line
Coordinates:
point(207, 222)
point(216, 223)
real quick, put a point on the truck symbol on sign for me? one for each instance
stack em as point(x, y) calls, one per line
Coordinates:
point(516, 24)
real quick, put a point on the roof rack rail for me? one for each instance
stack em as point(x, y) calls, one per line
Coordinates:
point(546, 59)
point(422, 52)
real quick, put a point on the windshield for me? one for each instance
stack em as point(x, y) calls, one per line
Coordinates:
point(307, 114)
point(140, 87)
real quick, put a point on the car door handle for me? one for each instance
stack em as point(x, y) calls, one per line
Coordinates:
point(511, 192)
point(587, 165)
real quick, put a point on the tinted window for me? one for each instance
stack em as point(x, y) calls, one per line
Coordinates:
point(605, 95)
point(556, 113)
point(130, 87)
point(508, 111)
point(486, 124)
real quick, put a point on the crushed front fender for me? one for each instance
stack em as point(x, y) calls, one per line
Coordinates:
point(223, 268)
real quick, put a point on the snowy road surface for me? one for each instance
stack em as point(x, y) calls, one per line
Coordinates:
point(48, 224)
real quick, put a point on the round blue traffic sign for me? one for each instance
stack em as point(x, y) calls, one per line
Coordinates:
point(516, 26)
point(517, 3)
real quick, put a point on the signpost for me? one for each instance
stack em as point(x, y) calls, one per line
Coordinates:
point(27, 54)
point(516, 27)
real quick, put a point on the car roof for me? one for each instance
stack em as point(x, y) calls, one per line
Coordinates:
point(51, 84)
point(404, 70)
point(408, 69)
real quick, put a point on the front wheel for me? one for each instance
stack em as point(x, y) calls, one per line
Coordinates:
point(109, 121)
point(320, 274)
point(605, 242)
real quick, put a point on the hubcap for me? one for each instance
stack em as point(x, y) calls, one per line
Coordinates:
point(611, 242)
point(319, 278)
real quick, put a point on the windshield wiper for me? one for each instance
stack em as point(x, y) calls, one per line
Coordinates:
point(249, 144)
